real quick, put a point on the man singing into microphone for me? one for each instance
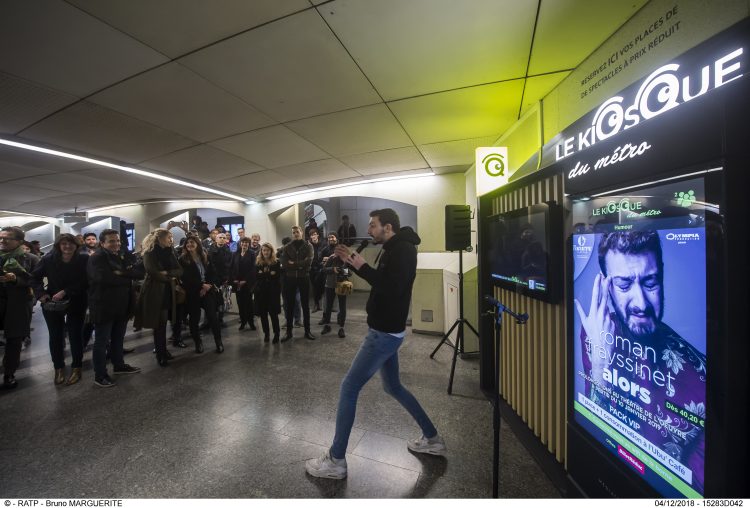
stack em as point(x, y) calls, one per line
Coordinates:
point(387, 309)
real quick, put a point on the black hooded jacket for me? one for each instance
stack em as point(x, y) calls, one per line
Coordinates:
point(392, 281)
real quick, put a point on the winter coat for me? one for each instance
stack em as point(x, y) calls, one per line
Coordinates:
point(158, 291)
point(69, 277)
point(243, 268)
point(15, 298)
point(191, 280)
point(392, 281)
point(221, 258)
point(267, 289)
point(296, 258)
point(110, 287)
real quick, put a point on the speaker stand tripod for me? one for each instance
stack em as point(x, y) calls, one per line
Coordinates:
point(458, 347)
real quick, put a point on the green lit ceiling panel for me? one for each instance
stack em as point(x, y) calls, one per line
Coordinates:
point(460, 114)
point(539, 86)
point(568, 31)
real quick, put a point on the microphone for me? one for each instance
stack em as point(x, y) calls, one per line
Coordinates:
point(520, 318)
point(362, 245)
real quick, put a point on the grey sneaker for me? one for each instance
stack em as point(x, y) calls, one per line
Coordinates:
point(433, 446)
point(327, 467)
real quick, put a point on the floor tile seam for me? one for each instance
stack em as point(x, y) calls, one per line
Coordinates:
point(384, 463)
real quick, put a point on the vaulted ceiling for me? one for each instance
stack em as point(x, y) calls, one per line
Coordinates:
point(255, 97)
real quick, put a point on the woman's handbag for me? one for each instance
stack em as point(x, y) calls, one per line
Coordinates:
point(56, 305)
point(344, 288)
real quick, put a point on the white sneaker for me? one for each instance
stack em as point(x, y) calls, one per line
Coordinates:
point(433, 446)
point(327, 467)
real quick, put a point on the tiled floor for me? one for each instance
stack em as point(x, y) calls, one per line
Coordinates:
point(242, 424)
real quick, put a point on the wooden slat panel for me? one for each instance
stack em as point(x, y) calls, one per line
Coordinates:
point(533, 376)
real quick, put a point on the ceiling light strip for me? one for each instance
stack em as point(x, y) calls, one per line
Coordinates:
point(127, 169)
point(349, 184)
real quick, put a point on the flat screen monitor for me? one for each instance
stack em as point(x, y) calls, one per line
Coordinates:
point(639, 330)
point(523, 253)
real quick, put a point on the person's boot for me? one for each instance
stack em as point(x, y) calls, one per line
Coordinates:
point(75, 376)
point(198, 345)
point(326, 329)
point(59, 376)
point(251, 324)
point(309, 335)
point(242, 325)
point(275, 338)
point(178, 343)
point(219, 345)
point(9, 382)
point(288, 335)
point(161, 359)
point(342, 333)
point(266, 338)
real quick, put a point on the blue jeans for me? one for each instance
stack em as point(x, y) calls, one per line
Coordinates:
point(379, 351)
point(112, 334)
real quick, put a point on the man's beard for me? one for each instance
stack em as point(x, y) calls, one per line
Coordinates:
point(640, 328)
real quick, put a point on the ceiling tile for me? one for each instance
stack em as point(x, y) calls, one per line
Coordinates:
point(29, 191)
point(28, 163)
point(460, 114)
point(75, 182)
point(569, 30)
point(538, 87)
point(202, 163)
point(312, 173)
point(22, 103)
point(177, 99)
point(175, 27)
point(257, 183)
point(271, 147)
point(289, 69)
point(353, 131)
point(10, 171)
point(454, 153)
point(423, 46)
point(98, 131)
point(385, 161)
point(58, 45)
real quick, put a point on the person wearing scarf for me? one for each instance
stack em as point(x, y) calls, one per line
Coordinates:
point(15, 295)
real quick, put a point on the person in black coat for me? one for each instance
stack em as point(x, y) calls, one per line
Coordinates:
point(65, 271)
point(110, 306)
point(221, 258)
point(296, 258)
point(200, 281)
point(243, 279)
point(268, 291)
point(15, 296)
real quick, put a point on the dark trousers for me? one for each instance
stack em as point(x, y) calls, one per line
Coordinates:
point(160, 335)
point(341, 316)
point(86, 333)
point(208, 303)
point(108, 334)
point(12, 357)
point(57, 323)
point(274, 323)
point(291, 286)
point(245, 304)
point(177, 323)
point(318, 281)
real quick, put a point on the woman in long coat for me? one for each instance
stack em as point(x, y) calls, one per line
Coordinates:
point(157, 301)
point(268, 290)
point(243, 277)
point(200, 280)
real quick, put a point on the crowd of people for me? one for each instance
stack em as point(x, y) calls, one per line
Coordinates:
point(182, 282)
point(92, 286)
